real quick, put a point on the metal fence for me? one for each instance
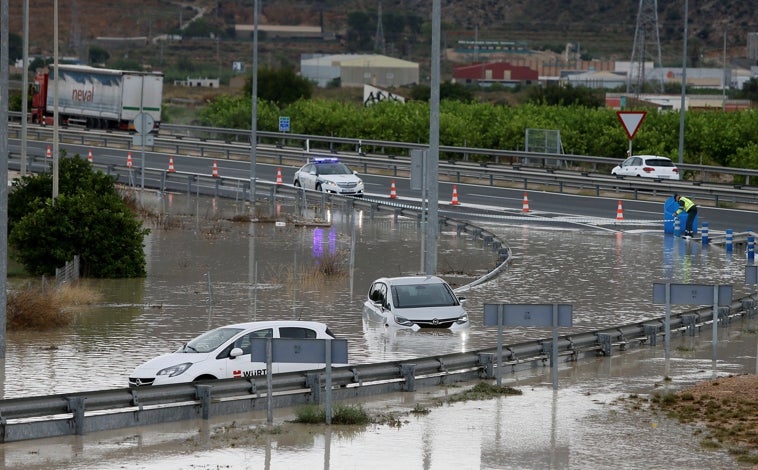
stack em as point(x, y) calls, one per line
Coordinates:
point(69, 273)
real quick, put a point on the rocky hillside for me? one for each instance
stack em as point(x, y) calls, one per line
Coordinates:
point(604, 28)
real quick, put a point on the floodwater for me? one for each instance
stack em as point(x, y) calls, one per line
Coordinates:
point(205, 271)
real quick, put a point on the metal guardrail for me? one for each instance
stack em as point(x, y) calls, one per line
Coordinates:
point(456, 163)
point(80, 413)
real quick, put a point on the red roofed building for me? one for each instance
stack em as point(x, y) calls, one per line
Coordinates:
point(495, 72)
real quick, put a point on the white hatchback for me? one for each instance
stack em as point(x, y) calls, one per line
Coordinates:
point(647, 166)
point(415, 302)
point(225, 353)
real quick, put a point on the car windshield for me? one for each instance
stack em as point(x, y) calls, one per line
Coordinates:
point(209, 341)
point(659, 162)
point(333, 169)
point(423, 295)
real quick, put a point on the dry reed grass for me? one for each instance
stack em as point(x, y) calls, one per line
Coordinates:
point(45, 308)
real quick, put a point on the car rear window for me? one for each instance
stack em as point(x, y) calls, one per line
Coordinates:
point(296, 332)
point(659, 162)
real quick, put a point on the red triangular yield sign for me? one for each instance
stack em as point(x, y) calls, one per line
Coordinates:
point(631, 121)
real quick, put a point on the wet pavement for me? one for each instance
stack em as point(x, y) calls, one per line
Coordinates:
point(209, 272)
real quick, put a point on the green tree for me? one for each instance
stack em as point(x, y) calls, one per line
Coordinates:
point(448, 91)
point(88, 219)
point(749, 90)
point(559, 95)
point(98, 55)
point(281, 86)
point(360, 27)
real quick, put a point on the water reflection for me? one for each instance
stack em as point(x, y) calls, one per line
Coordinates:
point(207, 270)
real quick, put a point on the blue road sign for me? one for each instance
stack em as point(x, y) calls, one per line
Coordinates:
point(284, 124)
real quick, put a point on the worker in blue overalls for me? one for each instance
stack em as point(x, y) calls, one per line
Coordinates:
point(688, 207)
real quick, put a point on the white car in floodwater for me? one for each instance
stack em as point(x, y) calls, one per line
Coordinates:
point(225, 353)
point(416, 302)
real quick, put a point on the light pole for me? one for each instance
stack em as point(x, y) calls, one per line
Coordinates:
point(684, 85)
point(254, 118)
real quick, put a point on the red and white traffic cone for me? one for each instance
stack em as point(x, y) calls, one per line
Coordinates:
point(49, 153)
point(129, 160)
point(619, 212)
point(215, 169)
point(89, 156)
point(279, 180)
point(393, 190)
point(525, 206)
point(455, 195)
point(171, 165)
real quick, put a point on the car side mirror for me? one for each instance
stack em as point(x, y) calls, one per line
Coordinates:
point(235, 352)
point(461, 299)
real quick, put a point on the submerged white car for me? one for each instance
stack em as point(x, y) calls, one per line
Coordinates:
point(225, 353)
point(416, 302)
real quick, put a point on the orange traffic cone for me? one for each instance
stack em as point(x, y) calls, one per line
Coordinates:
point(525, 206)
point(171, 165)
point(279, 180)
point(455, 195)
point(215, 169)
point(619, 212)
point(393, 190)
point(129, 160)
point(49, 153)
point(89, 156)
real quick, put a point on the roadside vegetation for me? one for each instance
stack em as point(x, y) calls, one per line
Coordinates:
point(89, 218)
point(355, 414)
point(44, 307)
point(586, 128)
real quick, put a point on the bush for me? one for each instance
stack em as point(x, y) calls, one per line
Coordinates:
point(44, 308)
point(88, 219)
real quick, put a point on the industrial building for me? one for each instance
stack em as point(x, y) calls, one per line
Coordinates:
point(356, 70)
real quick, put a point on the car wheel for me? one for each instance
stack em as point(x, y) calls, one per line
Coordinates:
point(205, 377)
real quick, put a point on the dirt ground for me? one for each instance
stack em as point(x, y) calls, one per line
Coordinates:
point(723, 412)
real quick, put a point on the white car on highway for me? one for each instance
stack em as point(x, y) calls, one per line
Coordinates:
point(329, 175)
point(415, 302)
point(647, 166)
point(225, 353)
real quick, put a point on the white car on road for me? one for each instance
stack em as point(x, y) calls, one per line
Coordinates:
point(415, 302)
point(225, 353)
point(647, 166)
point(329, 175)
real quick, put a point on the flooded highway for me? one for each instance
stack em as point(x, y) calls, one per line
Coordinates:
point(204, 270)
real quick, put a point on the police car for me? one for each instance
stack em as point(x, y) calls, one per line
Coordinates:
point(225, 353)
point(329, 175)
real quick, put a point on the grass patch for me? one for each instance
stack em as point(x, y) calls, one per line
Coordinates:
point(483, 391)
point(44, 308)
point(341, 414)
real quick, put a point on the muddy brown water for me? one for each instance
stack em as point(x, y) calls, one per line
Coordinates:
point(205, 272)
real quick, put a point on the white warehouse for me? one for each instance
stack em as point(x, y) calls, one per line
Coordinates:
point(356, 70)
